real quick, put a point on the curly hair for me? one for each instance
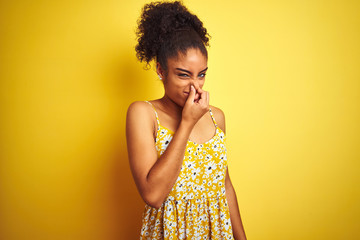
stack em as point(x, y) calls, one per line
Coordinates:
point(166, 29)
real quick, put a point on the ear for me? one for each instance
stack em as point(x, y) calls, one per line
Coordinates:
point(159, 71)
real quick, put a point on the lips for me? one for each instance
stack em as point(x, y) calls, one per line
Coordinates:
point(197, 95)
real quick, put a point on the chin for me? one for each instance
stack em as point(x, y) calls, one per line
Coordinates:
point(181, 102)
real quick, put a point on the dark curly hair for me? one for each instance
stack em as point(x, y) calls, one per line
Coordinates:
point(166, 29)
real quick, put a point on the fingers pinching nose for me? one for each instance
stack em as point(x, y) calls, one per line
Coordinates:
point(192, 93)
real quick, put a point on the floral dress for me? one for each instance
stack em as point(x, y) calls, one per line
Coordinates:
point(196, 207)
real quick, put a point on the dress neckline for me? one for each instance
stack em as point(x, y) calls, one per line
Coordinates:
point(217, 130)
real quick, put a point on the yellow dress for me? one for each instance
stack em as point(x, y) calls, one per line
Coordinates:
point(196, 207)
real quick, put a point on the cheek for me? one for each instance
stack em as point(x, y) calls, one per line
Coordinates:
point(179, 85)
point(174, 88)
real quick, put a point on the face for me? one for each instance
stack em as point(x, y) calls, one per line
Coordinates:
point(184, 71)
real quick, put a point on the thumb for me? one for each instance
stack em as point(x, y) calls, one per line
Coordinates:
point(191, 94)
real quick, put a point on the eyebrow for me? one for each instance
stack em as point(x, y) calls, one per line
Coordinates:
point(189, 71)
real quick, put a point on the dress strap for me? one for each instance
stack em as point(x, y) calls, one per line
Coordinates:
point(157, 118)
point(213, 118)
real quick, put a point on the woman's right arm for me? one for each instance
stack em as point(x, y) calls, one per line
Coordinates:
point(155, 177)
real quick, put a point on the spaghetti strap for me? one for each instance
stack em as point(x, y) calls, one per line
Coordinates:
point(212, 116)
point(157, 118)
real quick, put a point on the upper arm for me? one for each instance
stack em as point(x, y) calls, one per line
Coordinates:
point(219, 117)
point(140, 141)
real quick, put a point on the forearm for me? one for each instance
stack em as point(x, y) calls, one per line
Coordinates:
point(237, 226)
point(164, 173)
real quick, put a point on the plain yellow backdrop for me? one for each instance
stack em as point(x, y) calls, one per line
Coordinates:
point(286, 74)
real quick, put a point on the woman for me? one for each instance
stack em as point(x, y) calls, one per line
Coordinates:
point(176, 144)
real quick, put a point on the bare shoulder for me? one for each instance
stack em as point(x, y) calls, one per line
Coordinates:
point(219, 117)
point(140, 113)
point(139, 108)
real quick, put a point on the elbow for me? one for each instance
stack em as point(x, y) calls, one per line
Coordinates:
point(156, 205)
point(154, 196)
point(152, 200)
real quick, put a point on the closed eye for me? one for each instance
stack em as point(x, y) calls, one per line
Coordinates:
point(183, 75)
point(186, 75)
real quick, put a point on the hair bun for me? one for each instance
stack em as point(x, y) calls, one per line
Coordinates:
point(159, 21)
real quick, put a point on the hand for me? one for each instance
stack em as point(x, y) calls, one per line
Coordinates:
point(196, 105)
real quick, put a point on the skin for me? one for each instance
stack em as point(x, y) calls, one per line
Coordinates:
point(184, 108)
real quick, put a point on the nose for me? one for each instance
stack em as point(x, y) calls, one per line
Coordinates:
point(196, 83)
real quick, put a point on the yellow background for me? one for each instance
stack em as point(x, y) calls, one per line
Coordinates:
point(286, 74)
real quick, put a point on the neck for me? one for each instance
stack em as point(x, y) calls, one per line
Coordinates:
point(171, 107)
